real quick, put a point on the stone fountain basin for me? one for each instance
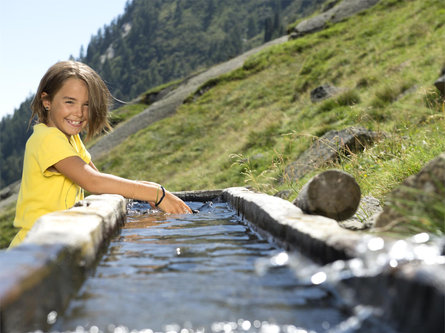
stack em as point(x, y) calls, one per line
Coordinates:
point(63, 246)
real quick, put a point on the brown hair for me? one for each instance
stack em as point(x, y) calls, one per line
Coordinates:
point(99, 97)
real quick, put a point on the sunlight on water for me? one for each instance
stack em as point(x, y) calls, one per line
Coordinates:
point(239, 326)
point(51, 317)
point(318, 278)
point(208, 272)
point(376, 257)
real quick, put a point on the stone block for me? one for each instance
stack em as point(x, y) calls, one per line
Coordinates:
point(39, 276)
point(36, 280)
point(409, 297)
point(199, 196)
point(320, 238)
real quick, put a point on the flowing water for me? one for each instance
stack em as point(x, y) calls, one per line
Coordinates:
point(204, 272)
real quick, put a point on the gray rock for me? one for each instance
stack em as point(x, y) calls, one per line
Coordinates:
point(284, 194)
point(323, 92)
point(332, 193)
point(152, 97)
point(415, 196)
point(344, 9)
point(328, 5)
point(440, 85)
point(365, 216)
point(328, 148)
point(9, 195)
point(10, 190)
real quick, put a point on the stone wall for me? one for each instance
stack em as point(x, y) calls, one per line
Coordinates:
point(40, 276)
point(403, 280)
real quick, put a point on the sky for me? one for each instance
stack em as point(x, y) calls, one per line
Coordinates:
point(35, 34)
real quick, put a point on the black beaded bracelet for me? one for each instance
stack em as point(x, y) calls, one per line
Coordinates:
point(162, 198)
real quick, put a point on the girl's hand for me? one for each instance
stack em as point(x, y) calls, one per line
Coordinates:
point(174, 205)
point(171, 203)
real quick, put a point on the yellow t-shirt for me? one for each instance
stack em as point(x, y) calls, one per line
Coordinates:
point(42, 190)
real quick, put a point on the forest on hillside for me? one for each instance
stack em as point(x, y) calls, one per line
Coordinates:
point(14, 132)
point(157, 41)
point(154, 42)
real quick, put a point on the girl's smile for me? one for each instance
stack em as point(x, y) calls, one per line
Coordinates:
point(68, 109)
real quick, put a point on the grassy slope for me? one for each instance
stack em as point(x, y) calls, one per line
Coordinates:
point(7, 231)
point(244, 130)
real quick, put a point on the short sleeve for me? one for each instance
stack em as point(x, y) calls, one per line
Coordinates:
point(53, 147)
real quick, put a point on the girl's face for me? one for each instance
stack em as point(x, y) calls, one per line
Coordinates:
point(68, 110)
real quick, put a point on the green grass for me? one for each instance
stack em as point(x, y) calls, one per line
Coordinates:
point(257, 108)
point(249, 124)
point(125, 112)
point(7, 231)
point(144, 98)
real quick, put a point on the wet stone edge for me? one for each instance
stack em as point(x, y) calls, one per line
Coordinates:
point(55, 259)
point(410, 297)
point(41, 275)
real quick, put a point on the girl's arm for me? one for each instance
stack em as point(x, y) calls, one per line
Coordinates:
point(91, 164)
point(89, 178)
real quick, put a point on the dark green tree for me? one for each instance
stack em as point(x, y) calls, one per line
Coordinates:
point(252, 28)
point(268, 29)
point(14, 132)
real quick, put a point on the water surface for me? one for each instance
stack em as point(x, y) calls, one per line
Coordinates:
point(199, 272)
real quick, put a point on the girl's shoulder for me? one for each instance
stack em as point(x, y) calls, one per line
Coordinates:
point(42, 130)
point(43, 134)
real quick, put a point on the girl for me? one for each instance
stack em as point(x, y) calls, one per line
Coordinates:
point(57, 168)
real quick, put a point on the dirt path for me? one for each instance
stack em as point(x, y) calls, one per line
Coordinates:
point(168, 105)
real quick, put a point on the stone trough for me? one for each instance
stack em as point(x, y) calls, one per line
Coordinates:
point(39, 277)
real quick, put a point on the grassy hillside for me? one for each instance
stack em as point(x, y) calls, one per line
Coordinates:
point(247, 127)
point(254, 121)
